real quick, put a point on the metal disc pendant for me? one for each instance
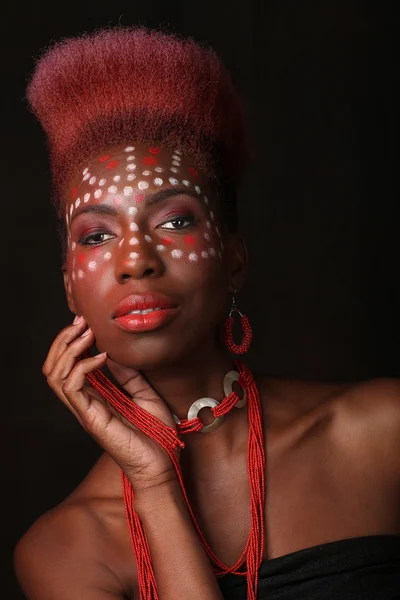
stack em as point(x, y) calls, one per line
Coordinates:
point(229, 378)
point(203, 403)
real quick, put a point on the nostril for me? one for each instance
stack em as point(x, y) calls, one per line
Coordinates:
point(148, 272)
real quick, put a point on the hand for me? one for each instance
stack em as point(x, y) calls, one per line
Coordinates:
point(143, 461)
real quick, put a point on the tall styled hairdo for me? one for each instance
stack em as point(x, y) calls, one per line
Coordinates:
point(132, 84)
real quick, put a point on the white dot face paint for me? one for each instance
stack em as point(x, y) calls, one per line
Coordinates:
point(131, 167)
point(107, 256)
point(73, 276)
point(206, 200)
point(159, 169)
point(198, 190)
point(208, 224)
point(158, 181)
point(133, 227)
point(81, 274)
point(117, 178)
point(212, 215)
point(133, 255)
point(73, 245)
point(177, 253)
point(207, 237)
point(92, 265)
point(112, 189)
point(143, 185)
point(132, 210)
point(128, 190)
point(130, 158)
point(176, 163)
point(147, 238)
point(211, 251)
point(173, 181)
point(131, 177)
point(176, 157)
point(77, 202)
point(133, 241)
point(121, 242)
point(102, 182)
point(174, 170)
point(85, 171)
point(129, 148)
point(71, 208)
point(92, 180)
point(186, 182)
point(146, 173)
point(98, 194)
point(160, 247)
point(193, 256)
point(86, 197)
point(86, 177)
point(204, 254)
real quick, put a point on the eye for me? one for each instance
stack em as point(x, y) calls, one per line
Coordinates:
point(96, 238)
point(179, 223)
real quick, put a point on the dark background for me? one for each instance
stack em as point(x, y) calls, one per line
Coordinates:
point(319, 209)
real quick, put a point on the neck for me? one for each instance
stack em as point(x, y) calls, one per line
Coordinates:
point(198, 376)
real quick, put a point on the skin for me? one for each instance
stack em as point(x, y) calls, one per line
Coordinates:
point(328, 445)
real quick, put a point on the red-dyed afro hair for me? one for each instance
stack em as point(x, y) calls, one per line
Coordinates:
point(125, 85)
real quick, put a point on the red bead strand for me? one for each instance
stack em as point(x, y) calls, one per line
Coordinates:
point(168, 439)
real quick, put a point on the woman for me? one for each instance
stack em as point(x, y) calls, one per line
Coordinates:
point(147, 148)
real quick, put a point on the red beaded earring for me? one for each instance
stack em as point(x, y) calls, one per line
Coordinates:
point(246, 328)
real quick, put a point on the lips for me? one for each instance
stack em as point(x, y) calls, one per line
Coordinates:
point(140, 313)
point(144, 302)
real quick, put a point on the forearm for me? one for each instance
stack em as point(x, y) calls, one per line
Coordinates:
point(181, 565)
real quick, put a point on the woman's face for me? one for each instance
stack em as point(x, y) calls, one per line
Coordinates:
point(144, 235)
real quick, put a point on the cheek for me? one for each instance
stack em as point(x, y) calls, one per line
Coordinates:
point(87, 268)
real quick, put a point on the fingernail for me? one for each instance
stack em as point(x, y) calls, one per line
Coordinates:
point(77, 320)
point(87, 332)
point(102, 355)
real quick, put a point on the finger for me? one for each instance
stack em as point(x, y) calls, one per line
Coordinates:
point(68, 360)
point(64, 338)
point(74, 384)
point(94, 412)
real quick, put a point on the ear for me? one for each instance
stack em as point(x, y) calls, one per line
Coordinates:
point(68, 289)
point(238, 262)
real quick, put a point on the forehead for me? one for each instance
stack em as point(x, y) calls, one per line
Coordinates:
point(137, 165)
point(131, 172)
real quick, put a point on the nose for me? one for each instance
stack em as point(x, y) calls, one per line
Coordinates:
point(138, 258)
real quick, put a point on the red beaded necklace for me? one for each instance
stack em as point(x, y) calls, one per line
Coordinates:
point(168, 438)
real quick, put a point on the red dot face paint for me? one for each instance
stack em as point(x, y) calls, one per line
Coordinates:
point(167, 241)
point(193, 171)
point(150, 160)
point(74, 192)
point(112, 164)
point(189, 239)
point(154, 150)
point(104, 158)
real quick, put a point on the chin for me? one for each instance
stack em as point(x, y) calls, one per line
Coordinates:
point(145, 352)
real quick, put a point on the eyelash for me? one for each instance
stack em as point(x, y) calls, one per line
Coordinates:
point(190, 221)
point(85, 240)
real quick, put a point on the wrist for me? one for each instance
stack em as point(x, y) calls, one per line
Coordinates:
point(150, 498)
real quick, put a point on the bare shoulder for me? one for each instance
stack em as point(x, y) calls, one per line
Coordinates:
point(60, 557)
point(375, 398)
point(369, 419)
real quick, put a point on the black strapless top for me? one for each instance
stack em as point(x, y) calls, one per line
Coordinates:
point(363, 568)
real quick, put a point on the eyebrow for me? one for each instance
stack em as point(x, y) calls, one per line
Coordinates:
point(150, 200)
